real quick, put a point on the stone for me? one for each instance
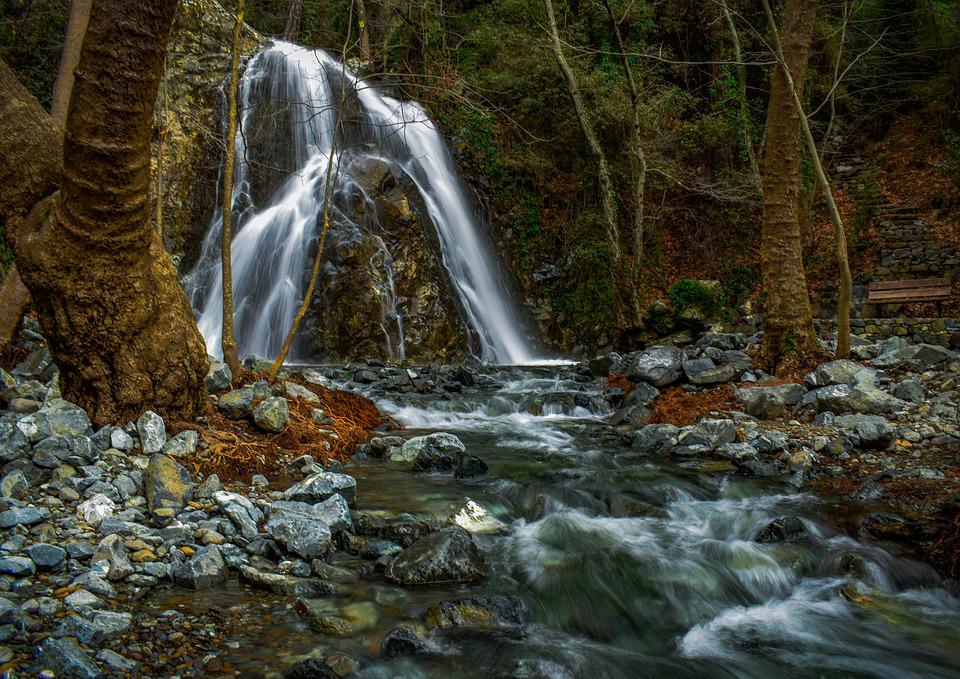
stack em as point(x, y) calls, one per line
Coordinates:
point(871, 431)
point(708, 433)
point(236, 404)
point(434, 452)
point(152, 432)
point(473, 518)
point(926, 354)
point(768, 403)
point(62, 418)
point(14, 485)
point(841, 371)
point(203, 570)
point(317, 613)
point(112, 551)
point(299, 530)
point(166, 484)
point(659, 365)
point(183, 444)
point(470, 466)
point(320, 486)
point(910, 390)
point(245, 516)
point(446, 556)
point(81, 598)
point(641, 395)
point(783, 529)
point(47, 557)
point(23, 516)
point(96, 630)
point(272, 415)
point(654, 439)
point(298, 391)
point(120, 439)
point(402, 641)
point(96, 509)
point(219, 378)
point(96, 584)
point(312, 668)
point(117, 662)
point(288, 585)
point(482, 612)
point(842, 398)
point(66, 658)
point(17, 566)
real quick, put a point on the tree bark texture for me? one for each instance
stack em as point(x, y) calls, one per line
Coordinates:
point(119, 325)
point(291, 31)
point(788, 320)
point(14, 298)
point(364, 29)
point(69, 60)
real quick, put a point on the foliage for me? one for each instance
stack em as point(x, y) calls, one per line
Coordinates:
point(737, 281)
point(6, 251)
point(31, 38)
point(866, 197)
point(689, 293)
point(951, 155)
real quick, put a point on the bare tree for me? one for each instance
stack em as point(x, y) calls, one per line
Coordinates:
point(363, 28)
point(291, 31)
point(744, 111)
point(69, 59)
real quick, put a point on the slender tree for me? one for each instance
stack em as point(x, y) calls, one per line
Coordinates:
point(118, 324)
point(363, 29)
point(228, 342)
point(744, 111)
point(788, 320)
point(69, 59)
point(291, 31)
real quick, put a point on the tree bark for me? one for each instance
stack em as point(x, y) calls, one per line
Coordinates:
point(364, 31)
point(846, 281)
point(228, 342)
point(110, 305)
point(291, 32)
point(742, 82)
point(788, 321)
point(14, 298)
point(69, 59)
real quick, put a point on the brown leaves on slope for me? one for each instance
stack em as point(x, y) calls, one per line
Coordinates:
point(680, 407)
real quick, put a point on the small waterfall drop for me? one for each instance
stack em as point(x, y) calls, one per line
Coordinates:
point(276, 228)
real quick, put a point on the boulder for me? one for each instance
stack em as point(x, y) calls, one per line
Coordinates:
point(641, 395)
point(203, 570)
point(928, 355)
point(708, 433)
point(219, 378)
point(843, 398)
point(120, 439)
point(446, 556)
point(871, 431)
point(660, 365)
point(14, 485)
point(768, 403)
point(66, 659)
point(482, 612)
point(288, 585)
point(112, 551)
point(654, 439)
point(401, 641)
point(435, 452)
point(272, 415)
point(23, 516)
point(236, 404)
point(243, 513)
point(299, 530)
point(152, 432)
point(318, 487)
point(910, 390)
point(183, 444)
point(475, 519)
point(318, 615)
point(95, 630)
point(17, 566)
point(167, 484)
point(842, 371)
point(47, 557)
point(783, 529)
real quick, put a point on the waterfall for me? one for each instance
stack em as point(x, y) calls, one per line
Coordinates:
point(277, 208)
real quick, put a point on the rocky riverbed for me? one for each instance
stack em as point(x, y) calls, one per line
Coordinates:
point(528, 522)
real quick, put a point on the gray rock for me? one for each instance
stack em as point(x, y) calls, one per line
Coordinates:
point(708, 433)
point(872, 431)
point(219, 378)
point(770, 402)
point(272, 414)
point(641, 395)
point(435, 452)
point(299, 530)
point(23, 516)
point(737, 451)
point(654, 439)
point(333, 511)
point(14, 485)
point(245, 516)
point(446, 556)
point(835, 372)
point(910, 390)
point(297, 391)
point(289, 585)
point(14, 443)
point(183, 444)
point(96, 584)
point(167, 485)
point(96, 630)
point(842, 398)
point(17, 566)
point(660, 365)
point(81, 599)
point(783, 529)
point(94, 510)
point(60, 418)
point(112, 551)
point(926, 354)
point(117, 662)
point(203, 570)
point(402, 641)
point(152, 432)
point(47, 557)
point(65, 658)
point(120, 439)
point(236, 404)
point(210, 485)
point(318, 487)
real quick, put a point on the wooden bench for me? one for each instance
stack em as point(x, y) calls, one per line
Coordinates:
point(936, 290)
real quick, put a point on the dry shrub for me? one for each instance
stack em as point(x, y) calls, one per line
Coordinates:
point(680, 407)
point(621, 381)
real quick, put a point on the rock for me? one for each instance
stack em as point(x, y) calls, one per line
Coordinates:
point(470, 466)
point(660, 365)
point(478, 612)
point(298, 391)
point(288, 585)
point(377, 549)
point(475, 519)
point(910, 390)
point(117, 662)
point(435, 452)
point(219, 378)
point(446, 556)
point(272, 414)
point(14, 485)
point(120, 439)
point(93, 582)
point(81, 598)
point(203, 570)
point(783, 529)
point(317, 613)
point(736, 451)
point(98, 629)
point(245, 516)
point(23, 516)
point(152, 432)
point(299, 530)
point(641, 395)
point(926, 354)
point(112, 551)
point(654, 439)
point(708, 433)
point(768, 403)
point(47, 557)
point(318, 487)
point(401, 641)
point(65, 658)
point(871, 431)
point(210, 485)
point(312, 668)
point(842, 398)
point(17, 566)
point(236, 404)
point(842, 371)
point(96, 509)
point(167, 485)
point(183, 444)
point(62, 418)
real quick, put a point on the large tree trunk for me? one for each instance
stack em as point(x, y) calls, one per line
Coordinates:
point(14, 298)
point(788, 321)
point(118, 323)
point(69, 59)
point(291, 30)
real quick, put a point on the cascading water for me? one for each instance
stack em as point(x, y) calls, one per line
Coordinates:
point(276, 229)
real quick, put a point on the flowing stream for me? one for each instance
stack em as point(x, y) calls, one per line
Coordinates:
point(631, 566)
point(325, 114)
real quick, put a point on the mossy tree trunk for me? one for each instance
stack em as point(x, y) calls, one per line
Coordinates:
point(118, 323)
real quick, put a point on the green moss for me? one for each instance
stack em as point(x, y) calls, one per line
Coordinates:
point(6, 251)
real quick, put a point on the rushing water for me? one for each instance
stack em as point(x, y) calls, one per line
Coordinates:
point(631, 566)
point(326, 115)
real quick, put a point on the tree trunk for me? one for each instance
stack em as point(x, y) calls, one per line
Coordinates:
point(69, 59)
point(846, 281)
point(364, 31)
point(14, 298)
point(119, 325)
point(228, 342)
point(788, 321)
point(742, 95)
point(291, 32)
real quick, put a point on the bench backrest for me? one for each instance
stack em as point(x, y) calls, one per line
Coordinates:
point(917, 290)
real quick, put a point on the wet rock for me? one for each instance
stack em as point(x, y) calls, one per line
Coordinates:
point(660, 365)
point(311, 668)
point(871, 431)
point(320, 486)
point(65, 658)
point(317, 614)
point(23, 516)
point(478, 612)
point(447, 556)
point(538, 668)
point(473, 518)
point(96, 509)
point(737, 451)
point(708, 433)
point(219, 378)
point(654, 439)
point(377, 549)
point(112, 551)
point(403, 640)
point(288, 585)
point(96, 630)
point(293, 525)
point(272, 415)
point(783, 529)
point(641, 395)
point(843, 398)
point(236, 404)
point(152, 432)
point(47, 557)
point(245, 516)
point(203, 570)
point(469, 467)
point(435, 452)
point(167, 485)
point(770, 402)
point(17, 566)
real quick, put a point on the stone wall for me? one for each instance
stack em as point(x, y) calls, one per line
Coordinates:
point(939, 331)
point(910, 253)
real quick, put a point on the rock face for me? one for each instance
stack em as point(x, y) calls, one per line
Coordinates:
point(449, 555)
